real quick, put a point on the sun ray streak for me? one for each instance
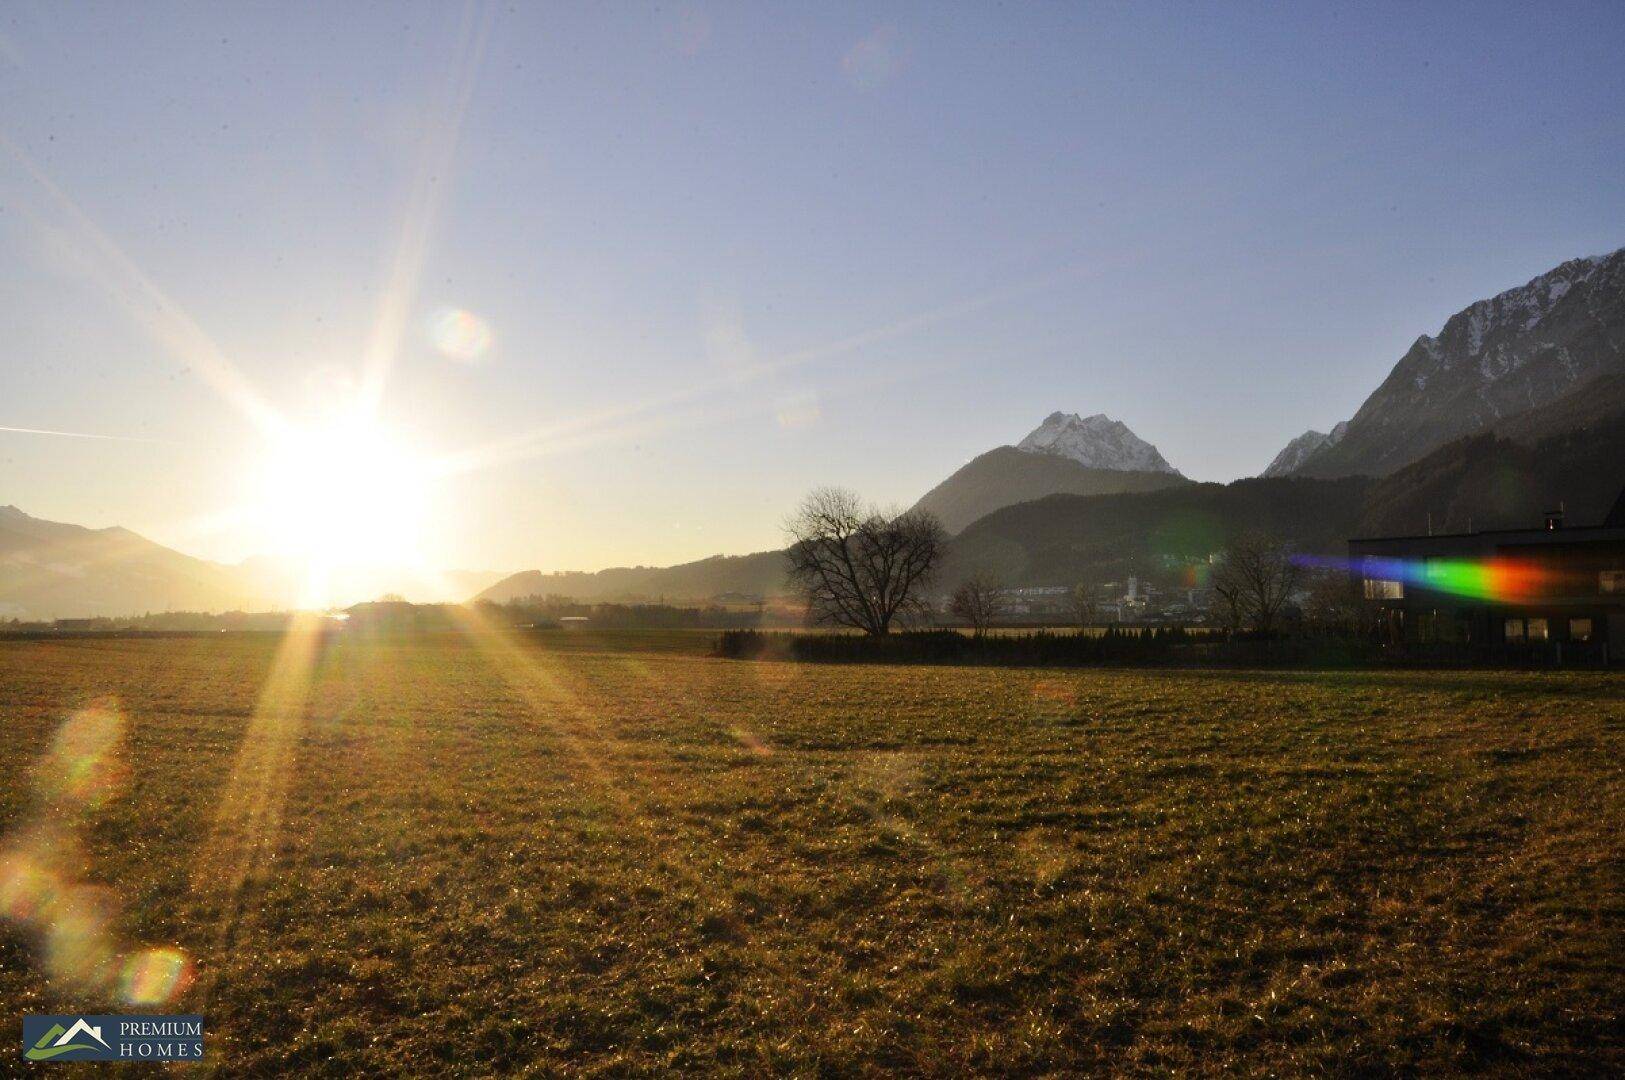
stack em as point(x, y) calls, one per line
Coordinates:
point(428, 192)
point(545, 439)
point(243, 840)
point(147, 304)
point(597, 430)
point(584, 733)
point(613, 766)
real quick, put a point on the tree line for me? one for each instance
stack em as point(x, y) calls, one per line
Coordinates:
point(858, 567)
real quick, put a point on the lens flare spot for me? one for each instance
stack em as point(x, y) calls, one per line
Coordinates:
point(28, 888)
point(801, 411)
point(41, 865)
point(1057, 692)
point(78, 947)
point(154, 976)
point(84, 766)
point(751, 741)
point(460, 335)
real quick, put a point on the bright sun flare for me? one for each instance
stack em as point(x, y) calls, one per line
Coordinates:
point(345, 495)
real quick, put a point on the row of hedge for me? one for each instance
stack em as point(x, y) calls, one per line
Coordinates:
point(1171, 646)
point(1042, 648)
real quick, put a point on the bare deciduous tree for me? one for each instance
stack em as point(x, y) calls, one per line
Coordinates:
point(1084, 608)
point(858, 567)
point(980, 601)
point(1228, 604)
point(1254, 579)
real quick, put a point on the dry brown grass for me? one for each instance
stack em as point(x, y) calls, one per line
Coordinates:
point(615, 854)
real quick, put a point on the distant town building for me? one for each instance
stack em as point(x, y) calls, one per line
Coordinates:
point(738, 599)
point(77, 624)
point(1029, 600)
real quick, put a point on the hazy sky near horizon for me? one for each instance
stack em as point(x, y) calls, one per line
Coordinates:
point(727, 252)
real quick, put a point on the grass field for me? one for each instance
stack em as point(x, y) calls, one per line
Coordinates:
point(616, 854)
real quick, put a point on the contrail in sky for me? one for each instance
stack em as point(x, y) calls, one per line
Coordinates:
point(87, 435)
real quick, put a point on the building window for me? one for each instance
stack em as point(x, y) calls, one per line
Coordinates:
point(1579, 629)
point(1611, 581)
point(1538, 630)
point(1384, 589)
point(1514, 629)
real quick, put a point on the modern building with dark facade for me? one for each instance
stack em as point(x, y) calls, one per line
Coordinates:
point(1535, 588)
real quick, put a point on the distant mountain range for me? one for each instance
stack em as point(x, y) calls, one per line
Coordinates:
point(1482, 481)
point(760, 574)
point(1065, 539)
point(1066, 453)
point(283, 580)
point(1493, 360)
point(1517, 405)
point(1568, 453)
point(51, 570)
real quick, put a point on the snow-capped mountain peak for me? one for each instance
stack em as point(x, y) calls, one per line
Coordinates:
point(1493, 359)
point(1296, 452)
point(1486, 332)
point(1097, 441)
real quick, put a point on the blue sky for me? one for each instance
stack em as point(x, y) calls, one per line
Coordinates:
point(803, 244)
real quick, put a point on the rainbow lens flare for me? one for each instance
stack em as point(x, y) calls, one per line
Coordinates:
point(154, 976)
point(1498, 579)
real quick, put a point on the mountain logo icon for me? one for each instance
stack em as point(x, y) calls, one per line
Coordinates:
point(59, 1041)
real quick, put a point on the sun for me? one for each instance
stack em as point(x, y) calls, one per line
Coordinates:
point(345, 494)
